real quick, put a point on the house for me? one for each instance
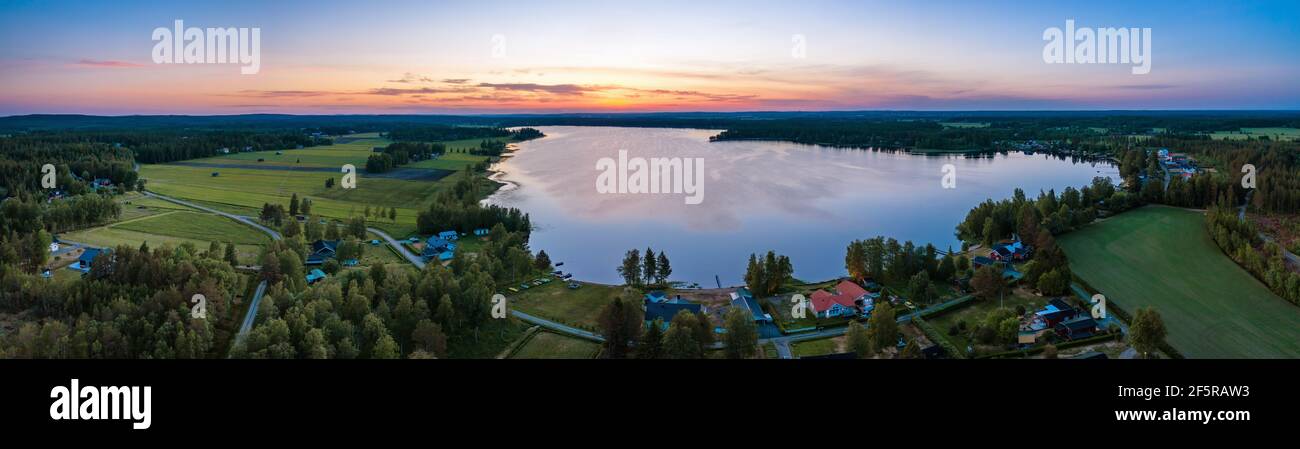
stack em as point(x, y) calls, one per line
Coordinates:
point(743, 299)
point(1010, 252)
point(87, 258)
point(656, 296)
point(1055, 312)
point(438, 248)
point(1077, 328)
point(981, 261)
point(450, 236)
point(667, 310)
point(322, 250)
point(101, 183)
point(481, 232)
point(846, 300)
point(315, 275)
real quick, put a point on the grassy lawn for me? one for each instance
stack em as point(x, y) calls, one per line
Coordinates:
point(554, 301)
point(247, 190)
point(549, 345)
point(174, 228)
point(380, 254)
point(817, 347)
point(1162, 257)
point(196, 226)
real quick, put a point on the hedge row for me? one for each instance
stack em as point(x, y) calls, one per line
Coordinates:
point(938, 338)
point(1066, 345)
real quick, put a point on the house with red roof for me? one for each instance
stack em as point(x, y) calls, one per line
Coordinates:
point(846, 299)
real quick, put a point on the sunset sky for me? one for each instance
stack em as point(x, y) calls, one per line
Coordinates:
point(326, 57)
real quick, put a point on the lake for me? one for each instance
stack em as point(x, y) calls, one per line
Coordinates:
point(807, 202)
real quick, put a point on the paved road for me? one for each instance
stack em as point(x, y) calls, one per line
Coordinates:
point(783, 348)
point(401, 249)
point(252, 313)
point(239, 218)
point(557, 326)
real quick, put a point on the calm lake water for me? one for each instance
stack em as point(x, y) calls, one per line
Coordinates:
point(807, 202)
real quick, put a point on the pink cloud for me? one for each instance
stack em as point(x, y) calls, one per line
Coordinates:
point(108, 64)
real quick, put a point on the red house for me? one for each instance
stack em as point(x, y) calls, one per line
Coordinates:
point(843, 302)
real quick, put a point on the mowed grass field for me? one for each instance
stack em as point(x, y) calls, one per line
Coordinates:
point(554, 301)
point(1279, 134)
point(243, 191)
point(197, 226)
point(175, 228)
point(1162, 257)
point(549, 345)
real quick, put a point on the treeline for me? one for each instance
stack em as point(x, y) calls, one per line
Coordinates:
point(1240, 240)
point(57, 215)
point(888, 261)
point(458, 209)
point(652, 269)
point(402, 153)
point(386, 312)
point(134, 303)
point(766, 276)
point(992, 221)
point(433, 133)
point(76, 164)
point(1035, 223)
point(151, 146)
point(865, 133)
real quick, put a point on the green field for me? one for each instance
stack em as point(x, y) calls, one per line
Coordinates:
point(197, 226)
point(1162, 257)
point(822, 346)
point(243, 191)
point(354, 152)
point(964, 124)
point(554, 301)
point(1277, 134)
point(174, 228)
point(549, 345)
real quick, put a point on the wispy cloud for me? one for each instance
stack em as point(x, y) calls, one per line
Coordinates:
point(107, 64)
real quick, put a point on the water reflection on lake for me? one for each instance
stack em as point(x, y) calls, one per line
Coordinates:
point(803, 201)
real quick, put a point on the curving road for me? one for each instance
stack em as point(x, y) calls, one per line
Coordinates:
point(239, 218)
point(401, 249)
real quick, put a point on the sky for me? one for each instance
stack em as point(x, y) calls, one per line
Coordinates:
point(478, 57)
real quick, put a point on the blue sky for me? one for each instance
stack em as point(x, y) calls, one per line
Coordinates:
point(398, 57)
